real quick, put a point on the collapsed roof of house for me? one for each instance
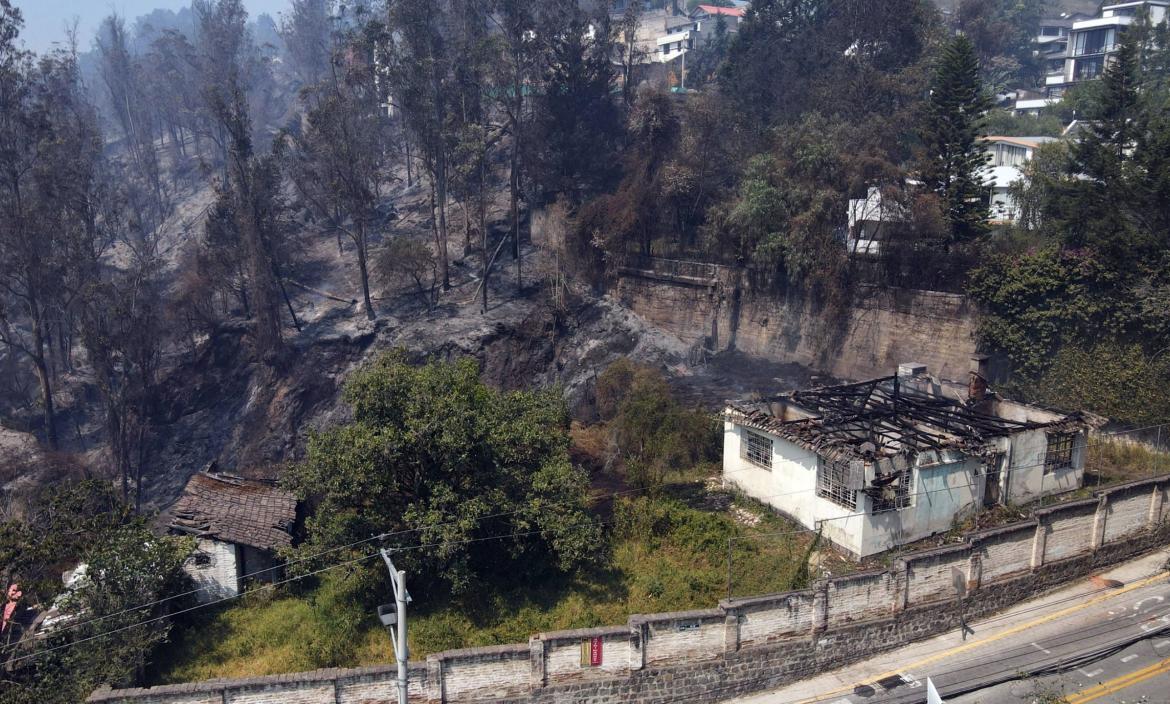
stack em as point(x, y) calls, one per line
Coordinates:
point(235, 510)
point(891, 420)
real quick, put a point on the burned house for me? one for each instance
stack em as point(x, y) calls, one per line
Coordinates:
point(888, 461)
point(240, 526)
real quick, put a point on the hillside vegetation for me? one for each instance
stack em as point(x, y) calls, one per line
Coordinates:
point(216, 227)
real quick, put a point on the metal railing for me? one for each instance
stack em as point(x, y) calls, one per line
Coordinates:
point(670, 267)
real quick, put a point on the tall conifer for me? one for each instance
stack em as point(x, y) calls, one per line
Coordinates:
point(954, 160)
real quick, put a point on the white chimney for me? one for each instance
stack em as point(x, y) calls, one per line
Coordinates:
point(909, 370)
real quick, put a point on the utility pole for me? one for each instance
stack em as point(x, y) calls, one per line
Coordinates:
point(394, 619)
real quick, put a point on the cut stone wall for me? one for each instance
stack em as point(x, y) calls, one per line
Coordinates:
point(879, 329)
point(746, 645)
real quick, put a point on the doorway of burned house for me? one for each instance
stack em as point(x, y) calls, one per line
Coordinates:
point(993, 469)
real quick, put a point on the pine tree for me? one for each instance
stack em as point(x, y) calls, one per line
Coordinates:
point(1097, 207)
point(954, 160)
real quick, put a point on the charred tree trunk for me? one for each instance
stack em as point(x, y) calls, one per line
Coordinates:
point(42, 367)
point(363, 269)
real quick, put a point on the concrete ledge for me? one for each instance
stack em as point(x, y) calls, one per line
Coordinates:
point(579, 633)
point(697, 615)
point(1026, 525)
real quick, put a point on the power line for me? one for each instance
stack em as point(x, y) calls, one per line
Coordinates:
point(383, 536)
point(274, 584)
point(616, 494)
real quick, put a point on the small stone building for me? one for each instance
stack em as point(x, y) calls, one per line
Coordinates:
point(240, 525)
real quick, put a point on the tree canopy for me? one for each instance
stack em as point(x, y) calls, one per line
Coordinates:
point(477, 480)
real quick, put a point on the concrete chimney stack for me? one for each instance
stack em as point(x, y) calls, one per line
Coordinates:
point(909, 370)
point(977, 386)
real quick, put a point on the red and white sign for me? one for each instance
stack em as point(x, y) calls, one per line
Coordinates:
point(591, 652)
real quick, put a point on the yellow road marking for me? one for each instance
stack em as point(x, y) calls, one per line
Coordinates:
point(1119, 683)
point(944, 654)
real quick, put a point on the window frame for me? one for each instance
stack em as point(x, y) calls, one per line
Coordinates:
point(755, 457)
point(903, 495)
point(1060, 456)
point(832, 483)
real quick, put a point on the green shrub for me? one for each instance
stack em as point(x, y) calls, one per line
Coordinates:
point(654, 434)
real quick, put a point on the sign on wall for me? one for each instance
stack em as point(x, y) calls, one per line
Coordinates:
point(591, 652)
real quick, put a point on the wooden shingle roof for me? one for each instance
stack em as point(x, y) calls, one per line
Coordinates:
point(235, 510)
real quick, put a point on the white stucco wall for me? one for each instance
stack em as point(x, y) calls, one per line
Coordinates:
point(789, 487)
point(219, 577)
point(941, 493)
point(1026, 480)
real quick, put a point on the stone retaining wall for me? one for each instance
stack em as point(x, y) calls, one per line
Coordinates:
point(746, 645)
point(881, 328)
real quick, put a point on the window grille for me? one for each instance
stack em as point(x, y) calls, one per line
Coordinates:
point(757, 449)
point(898, 495)
point(1060, 452)
point(833, 484)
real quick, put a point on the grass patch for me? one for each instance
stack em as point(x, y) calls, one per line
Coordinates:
point(1114, 461)
point(665, 554)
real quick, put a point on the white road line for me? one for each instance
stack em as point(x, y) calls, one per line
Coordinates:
point(1091, 673)
point(1163, 644)
point(1127, 658)
point(1042, 649)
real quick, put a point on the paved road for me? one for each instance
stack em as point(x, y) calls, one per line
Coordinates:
point(1100, 641)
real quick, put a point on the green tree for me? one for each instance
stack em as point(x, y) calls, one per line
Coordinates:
point(479, 477)
point(127, 566)
point(1036, 303)
point(1001, 32)
point(653, 433)
point(953, 158)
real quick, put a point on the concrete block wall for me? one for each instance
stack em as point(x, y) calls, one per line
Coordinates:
point(932, 574)
point(557, 655)
point(765, 619)
point(1128, 510)
point(492, 672)
point(684, 635)
point(1004, 552)
point(861, 597)
point(749, 644)
point(1067, 530)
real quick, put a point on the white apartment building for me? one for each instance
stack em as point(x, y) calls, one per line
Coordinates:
point(1006, 159)
point(1087, 47)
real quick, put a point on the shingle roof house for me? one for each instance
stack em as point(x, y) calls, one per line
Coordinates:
point(240, 525)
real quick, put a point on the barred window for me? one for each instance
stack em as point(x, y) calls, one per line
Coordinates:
point(833, 484)
point(757, 449)
point(897, 495)
point(1060, 452)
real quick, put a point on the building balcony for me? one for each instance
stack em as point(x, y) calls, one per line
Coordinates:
point(1096, 50)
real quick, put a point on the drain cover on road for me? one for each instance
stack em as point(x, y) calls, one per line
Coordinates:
point(891, 682)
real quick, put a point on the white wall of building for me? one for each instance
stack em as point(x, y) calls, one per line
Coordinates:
point(215, 570)
point(942, 492)
point(1027, 479)
point(947, 487)
point(790, 487)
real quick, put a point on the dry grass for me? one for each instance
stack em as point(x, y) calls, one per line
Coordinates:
point(1112, 461)
point(671, 555)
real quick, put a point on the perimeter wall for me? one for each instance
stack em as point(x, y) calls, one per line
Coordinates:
point(747, 644)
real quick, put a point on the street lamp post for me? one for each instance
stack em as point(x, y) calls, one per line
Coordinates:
point(393, 617)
